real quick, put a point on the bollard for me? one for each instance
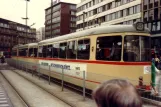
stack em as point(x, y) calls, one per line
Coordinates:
point(49, 74)
point(39, 70)
point(62, 84)
point(84, 86)
point(26, 66)
point(32, 71)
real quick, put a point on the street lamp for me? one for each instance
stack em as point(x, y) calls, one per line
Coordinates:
point(32, 24)
point(26, 18)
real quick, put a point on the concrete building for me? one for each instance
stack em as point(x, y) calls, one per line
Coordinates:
point(12, 33)
point(60, 19)
point(40, 34)
point(152, 19)
point(97, 12)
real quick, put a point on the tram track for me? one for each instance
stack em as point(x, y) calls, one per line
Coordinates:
point(22, 98)
point(9, 85)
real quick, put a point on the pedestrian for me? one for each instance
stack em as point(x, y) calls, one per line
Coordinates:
point(160, 62)
point(117, 93)
point(156, 60)
point(155, 76)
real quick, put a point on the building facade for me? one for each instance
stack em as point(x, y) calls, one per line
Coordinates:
point(40, 34)
point(152, 20)
point(12, 33)
point(60, 19)
point(92, 13)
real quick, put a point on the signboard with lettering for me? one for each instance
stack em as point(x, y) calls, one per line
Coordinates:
point(72, 69)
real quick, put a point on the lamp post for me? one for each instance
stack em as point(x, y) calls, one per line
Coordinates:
point(26, 18)
point(51, 17)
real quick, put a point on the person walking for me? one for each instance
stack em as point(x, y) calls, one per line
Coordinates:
point(117, 93)
point(2, 59)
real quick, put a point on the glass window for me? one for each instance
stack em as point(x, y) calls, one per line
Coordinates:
point(158, 25)
point(72, 50)
point(138, 8)
point(44, 51)
point(35, 52)
point(83, 49)
point(14, 53)
point(62, 51)
point(40, 51)
point(145, 2)
point(124, 12)
point(131, 10)
point(124, 1)
point(23, 52)
point(31, 52)
point(49, 51)
point(55, 50)
point(113, 16)
point(109, 48)
point(136, 48)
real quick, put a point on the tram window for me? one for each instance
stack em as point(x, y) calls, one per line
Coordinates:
point(22, 52)
point(40, 51)
point(31, 52)
point(109, 48)
point(44, 51)
point(49, 51)
point(137, 48)
point(55, 50)
point(35, 52)
point(83, 49)
point(72, 50)
point(14, 53)
point(62, 52)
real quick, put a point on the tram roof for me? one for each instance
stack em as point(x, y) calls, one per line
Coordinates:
point(104, 29)
point(25, 45)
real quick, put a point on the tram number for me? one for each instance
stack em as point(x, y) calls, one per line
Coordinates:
point(77, 68)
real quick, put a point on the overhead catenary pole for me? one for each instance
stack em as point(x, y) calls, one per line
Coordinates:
point(51, 18)
point(26, 19)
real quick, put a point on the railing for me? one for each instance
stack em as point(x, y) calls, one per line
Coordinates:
point(36, 69)
point(48, 71)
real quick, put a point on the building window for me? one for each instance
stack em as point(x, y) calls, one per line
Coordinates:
point(138, 8)
point(131, 10)
point(113, 16)
point(124, 12)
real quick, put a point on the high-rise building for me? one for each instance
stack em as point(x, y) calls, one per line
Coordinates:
point(13, 33)
point(92, 13)
point(40, 34)
point(152, 20)
point(60, 19)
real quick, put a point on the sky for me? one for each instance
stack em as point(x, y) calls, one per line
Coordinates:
point(14, 10)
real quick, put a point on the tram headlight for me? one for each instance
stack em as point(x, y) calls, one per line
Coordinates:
point(139, 26)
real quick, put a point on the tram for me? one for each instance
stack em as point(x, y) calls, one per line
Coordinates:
point(102, 53)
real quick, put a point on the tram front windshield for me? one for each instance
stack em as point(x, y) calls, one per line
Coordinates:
point(136, 48)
